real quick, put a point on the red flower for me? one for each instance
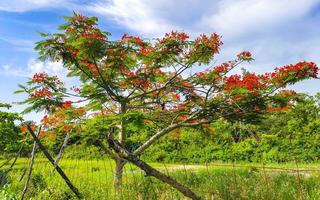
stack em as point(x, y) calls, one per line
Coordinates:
point(174, 35)
point(175, 96)
point(293, 73)
point(24, 129)
point(213, 42)
point(69, 30)
point(80, 111)
point(249, 81)
point(133, 39)
point(146, 50)
point(66, 104)
point(39, 77)
point(42, 93)
point(245, 56)
point(284, 108)
point(224, 67)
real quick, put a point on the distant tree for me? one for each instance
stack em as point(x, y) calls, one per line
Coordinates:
point(151, 81)
point(10, 133)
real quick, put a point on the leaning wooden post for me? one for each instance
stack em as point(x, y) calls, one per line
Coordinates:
point(33, 153)
point(49, 157)
point(59, 156)
point(5, 173)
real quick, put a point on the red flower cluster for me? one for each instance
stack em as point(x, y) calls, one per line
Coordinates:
point(45, 121)
point(224, 67)
point(136, 40)
point(245, 56)
point(24, 128)
point(294, 72)
point(146, 50)
point(277, 109)
point(69, 30)
point(80, 111)
point(66, 104)
point(175, 35)
point(45, 93)
point(63, 118)
point(39, 77)
point(44, 78)
point(213, 42)
point(249, 81)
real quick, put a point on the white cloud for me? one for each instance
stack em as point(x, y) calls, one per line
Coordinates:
point(227, 17)
point(6, 67)
point(138, 15)
point(35, 66)
point(234, 17)
point(27, 5)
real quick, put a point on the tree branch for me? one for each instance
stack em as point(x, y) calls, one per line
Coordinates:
point(163, 132)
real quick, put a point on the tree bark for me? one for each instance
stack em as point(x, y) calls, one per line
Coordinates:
point(123, 132)
point(118, 174)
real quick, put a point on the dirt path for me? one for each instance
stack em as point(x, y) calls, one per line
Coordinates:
point(306, 172)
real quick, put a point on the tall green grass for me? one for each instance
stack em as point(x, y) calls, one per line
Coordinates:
point(94, 177)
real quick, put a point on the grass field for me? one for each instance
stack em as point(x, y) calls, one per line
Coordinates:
point(93, 178)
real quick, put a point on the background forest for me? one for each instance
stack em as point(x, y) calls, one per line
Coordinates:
point(290, 135)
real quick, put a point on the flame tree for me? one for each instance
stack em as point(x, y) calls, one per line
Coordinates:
point(150, 79)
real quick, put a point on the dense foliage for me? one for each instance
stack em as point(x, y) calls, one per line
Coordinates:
point(287, 136)
point(10, 134)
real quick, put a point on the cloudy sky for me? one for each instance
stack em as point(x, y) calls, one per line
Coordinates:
point(277, 32)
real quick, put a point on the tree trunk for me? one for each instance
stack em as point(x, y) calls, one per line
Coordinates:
point(117, 182)
point(122, 127)
point(118, 174)
point(150, 171)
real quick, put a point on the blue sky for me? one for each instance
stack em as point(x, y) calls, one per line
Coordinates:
point(276, 32)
